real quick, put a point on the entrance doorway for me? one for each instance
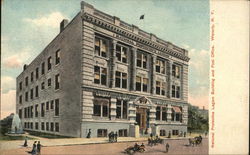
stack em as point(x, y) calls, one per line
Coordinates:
point(142, 118)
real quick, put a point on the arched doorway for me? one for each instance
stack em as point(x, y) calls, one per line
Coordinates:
point(142, 105)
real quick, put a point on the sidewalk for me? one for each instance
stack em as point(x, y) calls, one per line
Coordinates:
point(7, 145)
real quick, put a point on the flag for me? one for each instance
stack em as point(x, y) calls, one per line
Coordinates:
point(142, 17)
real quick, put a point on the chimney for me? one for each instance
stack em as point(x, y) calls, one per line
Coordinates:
point(24, 67)
point(63, 24)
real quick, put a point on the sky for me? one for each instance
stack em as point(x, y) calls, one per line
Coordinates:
point(29, 25)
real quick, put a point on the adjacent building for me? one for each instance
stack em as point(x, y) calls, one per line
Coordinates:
point(103, 74)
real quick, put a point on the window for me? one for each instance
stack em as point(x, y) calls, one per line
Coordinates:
point(31, 76)
point(101, 107)
point(178, 92)
point(47, 126)
point(51, 104)
point(47, 105)
point(57, 81)
point(121, 109)
point(141, 84)
point(175, 91)
point(25, 112)
point(145, 84)
point(164, 113)
point(100, 47)
point(36, 110)
point(121, 53)
point(51, 126)
point(26, 81)
point(121, 80)
point(176, 114)
point(141, 60)
point(20, 86)
point(26, 96)
point(160, 88)
point(158, 113)
point(42, 110)
point(175, 132)
point(37, 73)
point(42, 85)
point(100, 76)
point(49, 82)
point(42, 125)
point(176, 71)
point(123, 133)
point(28, 124)
point(57, 107)
point(31, 125)
point(160, 66)
point(138, 83)
point(57, 127)
point(37, 91)
point(20, 99)
point(31, 112)
point(28, 112)
point(43, 66)
point(31, 94)
point(49, 63)
point(102, 133)
point(57, 57)
point(36, 126)
point(20, 113)
point(161, 113)
point(162, 132)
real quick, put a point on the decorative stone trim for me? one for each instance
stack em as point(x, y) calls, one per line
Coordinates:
point(160, 49)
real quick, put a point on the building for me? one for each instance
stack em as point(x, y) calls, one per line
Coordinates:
point(103, 74)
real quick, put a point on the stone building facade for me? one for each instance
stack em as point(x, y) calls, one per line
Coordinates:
point(103, 74)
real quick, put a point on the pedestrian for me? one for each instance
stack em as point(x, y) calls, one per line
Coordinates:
point(116, 136)
point(38, 147)
point(89, 134)
point(206, 134)
point(184, 134)
point(190, 133)
point(151, 135)
point(167, 147)
point(169, 134)
point(25, 142)
point(33, 152)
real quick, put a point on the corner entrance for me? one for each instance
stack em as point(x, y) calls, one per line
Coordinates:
point(142, 118)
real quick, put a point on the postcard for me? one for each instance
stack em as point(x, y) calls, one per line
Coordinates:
point(124, 77)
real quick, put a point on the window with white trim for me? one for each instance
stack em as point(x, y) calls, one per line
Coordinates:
point(100, 75)
point(160, 66)
point(121, 109)
point(121, 53)
point(141, 60)
point(101, 47)
point(121, 80)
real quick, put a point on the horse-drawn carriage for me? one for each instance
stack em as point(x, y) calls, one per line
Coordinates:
point(195, 141)
point(154, 141)
point(135, 148)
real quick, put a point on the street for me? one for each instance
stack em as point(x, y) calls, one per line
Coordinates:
point(177, 146)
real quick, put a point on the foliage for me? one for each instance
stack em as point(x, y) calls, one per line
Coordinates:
point(196, 121)
point(5, 124)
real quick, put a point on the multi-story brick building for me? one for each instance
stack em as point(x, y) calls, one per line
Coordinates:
point(103, 74)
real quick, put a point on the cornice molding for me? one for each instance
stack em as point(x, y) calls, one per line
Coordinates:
point(123, 32)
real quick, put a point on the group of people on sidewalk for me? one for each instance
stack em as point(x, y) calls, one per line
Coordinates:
point(36, 149)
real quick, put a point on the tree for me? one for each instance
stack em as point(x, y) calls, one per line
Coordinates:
point(196, 121)
point(5, 124)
